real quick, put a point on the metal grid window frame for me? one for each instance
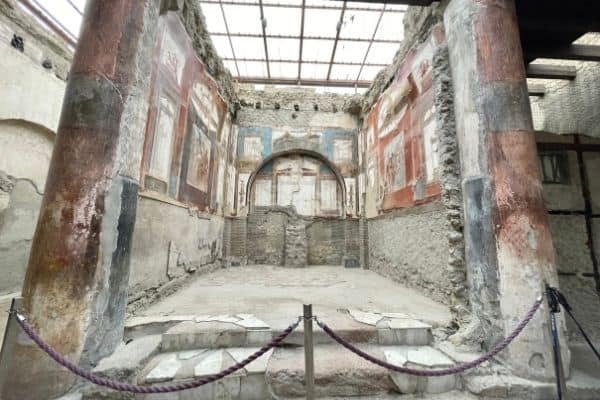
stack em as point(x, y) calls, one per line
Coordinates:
point(330, 75)
point(336, 43)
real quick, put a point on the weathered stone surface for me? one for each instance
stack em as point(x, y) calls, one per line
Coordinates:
point(129, 358)
point(252, 323)
point(188, 355)
point(152, 325)
point(405, 332)
point(84, 254)
point(427, 357)
point(157, 224)
point(420, 358)
point(257, 366)
point(368, 318)
point(211, 364)
point(72, 396)
point(191, 335)
point(18, 218)
point(336, 373)
point(508, 241)
point(165, 370)
point(412, 247)
point(295, 251)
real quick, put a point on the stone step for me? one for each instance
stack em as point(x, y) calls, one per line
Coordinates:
point(339, 373)
point(221, 331)
point(279, 374)
point(246, 384)
point(245, 330)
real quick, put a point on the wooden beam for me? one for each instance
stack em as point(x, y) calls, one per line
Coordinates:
point(536, 89)
point(549, 71)
point(569, 23)
point(581, 52)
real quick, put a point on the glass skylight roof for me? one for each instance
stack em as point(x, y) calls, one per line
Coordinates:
point(306, 42)
point(61, 16)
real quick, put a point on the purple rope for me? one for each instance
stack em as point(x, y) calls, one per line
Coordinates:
point(125, 387)
point(440, 372)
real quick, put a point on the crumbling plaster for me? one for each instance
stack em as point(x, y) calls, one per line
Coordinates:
point(171, 241)
point(195, 25)
point(40, 44)
point(296, 107)
point(23, 84)
point(411, 247)
point(417, 22)
point(404, 259)
point(29, 110)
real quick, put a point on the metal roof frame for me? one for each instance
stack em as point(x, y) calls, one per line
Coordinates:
point(264, 35)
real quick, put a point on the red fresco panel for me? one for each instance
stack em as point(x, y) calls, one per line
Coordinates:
point(179, 73)
point(397, 121)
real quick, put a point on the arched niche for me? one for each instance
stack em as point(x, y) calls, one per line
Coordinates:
point(296, 171)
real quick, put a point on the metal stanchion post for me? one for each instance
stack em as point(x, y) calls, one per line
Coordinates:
point(309, 363)
point(7, 353)
point(554, 308)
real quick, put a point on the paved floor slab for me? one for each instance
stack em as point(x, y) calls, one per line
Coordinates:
point(275, 295)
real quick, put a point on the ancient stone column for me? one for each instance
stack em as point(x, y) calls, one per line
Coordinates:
point(509, 248)
point(75, 290)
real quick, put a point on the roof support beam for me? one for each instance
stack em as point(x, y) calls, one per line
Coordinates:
point(258, 35)
point(322, 7)
point(47, 18)
point(263, 23)
point(305, 62)
point(237, 68)
point(548, 71)
point(536, 90)
point(403, 2)
point(370, 43)
point(563, 23)
point(301, 40)
point(581, 52)
point(304, 82)
point(80, 12)
point(337, 37)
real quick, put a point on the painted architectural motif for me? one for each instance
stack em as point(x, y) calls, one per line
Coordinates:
point(400, 136)
point(301, 181)
point(316, 197)
point(187, 149)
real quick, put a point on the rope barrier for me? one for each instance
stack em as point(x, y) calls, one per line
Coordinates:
point(562, 300)
point(440, 372)
point(126, 387)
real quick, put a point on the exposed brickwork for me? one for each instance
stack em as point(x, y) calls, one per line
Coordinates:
point(326, 242)
point(411, 247)
point(266, 237)
point(295, 251)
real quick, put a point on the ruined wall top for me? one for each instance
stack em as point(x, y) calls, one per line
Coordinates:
point(297, 99)
point(42, 46)
point(418, 21)
point(195, 25)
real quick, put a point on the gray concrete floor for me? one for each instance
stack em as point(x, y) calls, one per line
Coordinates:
point(276, 294)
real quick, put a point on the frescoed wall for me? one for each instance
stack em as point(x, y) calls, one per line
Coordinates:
point(338, 145)
point(399, 137)
point(187, 166)
point(300, 181)
point(188, 130)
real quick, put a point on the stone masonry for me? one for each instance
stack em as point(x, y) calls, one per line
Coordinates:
point(295, 244)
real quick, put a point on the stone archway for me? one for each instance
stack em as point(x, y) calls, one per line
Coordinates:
point(299, 152)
